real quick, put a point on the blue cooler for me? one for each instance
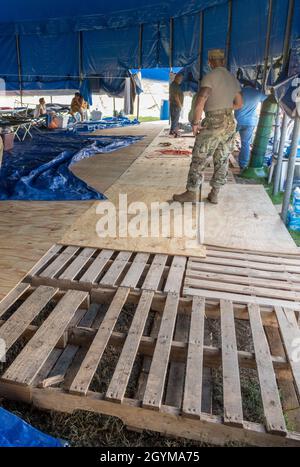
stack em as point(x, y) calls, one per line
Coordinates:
point(165, 110)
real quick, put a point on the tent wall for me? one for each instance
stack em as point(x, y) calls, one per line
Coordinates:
point(54, 56)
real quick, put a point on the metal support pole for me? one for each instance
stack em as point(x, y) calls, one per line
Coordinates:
point(278, 167)
point(288, 29)
point(141, 30)
point(171, 49)
point(200, 53)
point(291, 170)
point(19, 68)
point(276, 133)
point(268, 41)
point(80, 61)
point(229, 28)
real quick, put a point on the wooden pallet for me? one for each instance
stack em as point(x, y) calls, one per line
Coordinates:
point(88, 268)
point(245, 277)
point(74, 349)
point(112, 332)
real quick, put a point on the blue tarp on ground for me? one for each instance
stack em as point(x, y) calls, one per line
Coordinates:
point(106, 122)
point(61, 41)
point(14, 432)
point(39, 169)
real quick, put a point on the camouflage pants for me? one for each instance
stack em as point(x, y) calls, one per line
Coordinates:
point(215, 141)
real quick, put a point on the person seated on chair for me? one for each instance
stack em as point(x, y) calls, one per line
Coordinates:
point(40, 109)
point(78, 105)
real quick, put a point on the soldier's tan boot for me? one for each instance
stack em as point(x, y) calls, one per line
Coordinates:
point(187, 197)
point(213, 196)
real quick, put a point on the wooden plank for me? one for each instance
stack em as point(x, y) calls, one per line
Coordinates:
point(210, 294)
point(288, 394)
point(175, 275)
point(76, 266)
point(116, 269)
point(155, 272)
point(94, 271)
point(159, 366)
point(274, 418)
point(242, 289)
point(233, 410)
point(67, 356)
point(17, 324)
point(136, 270)
point(194, 370)
point(60, 262)
point(176, 374)
point(29, 362)
point(83, 379)
point(46, 258)
point(249, 264)
point(234, 254)
point(64, 361)
point(243, 280)
point(290, 333)
point(118, 384)
point(12, 297)
point(196, 268)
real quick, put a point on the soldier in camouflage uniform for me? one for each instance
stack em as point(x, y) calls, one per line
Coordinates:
point(219, 95)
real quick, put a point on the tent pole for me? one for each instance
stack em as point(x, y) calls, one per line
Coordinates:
point(228, 37)
point(80, 57)
point(171, 44)
point(291, 170)
point(276, 132)
point(140, 66)
point(201, 18)
point(268, 42)
point(280, 154)
point(288, 29)
point(19, 68)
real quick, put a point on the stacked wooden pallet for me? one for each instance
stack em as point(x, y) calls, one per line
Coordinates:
point(125, 342)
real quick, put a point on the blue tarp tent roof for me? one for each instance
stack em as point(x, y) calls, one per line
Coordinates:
point(60, 41)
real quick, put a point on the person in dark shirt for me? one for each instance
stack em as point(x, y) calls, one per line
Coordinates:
point(247, 120)
point(176, 102)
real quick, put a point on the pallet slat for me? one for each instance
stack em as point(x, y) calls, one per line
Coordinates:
point(275, 422)
point(290, 332)
point(175, 275)
point(239, 298)
point(76, 266)
point(155, 272)
point(83, 379)
point(159, 366)
point(194, 369)
point(94, 271)
point(17, 324)
point(136, 270)
point(12, 297)
point(29, 362)
point(233, 410)
point(119, 381)
point(116, 269)
point(60, 262)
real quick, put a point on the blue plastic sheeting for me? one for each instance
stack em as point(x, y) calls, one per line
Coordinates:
point(91, 14)
point(285, 94)
point(110, 32)
point(107, 122)
point(40, 169)
point(14, 432)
